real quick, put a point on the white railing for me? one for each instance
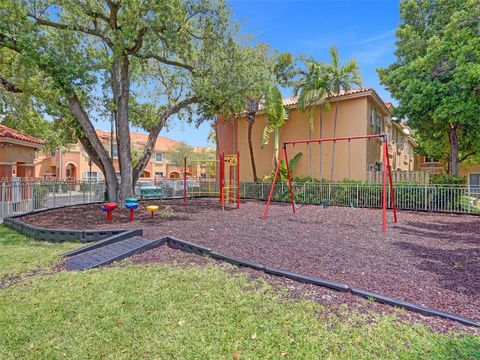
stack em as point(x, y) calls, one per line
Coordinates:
point(18, 197)
point(22, 196)
point(401, 176)
point(438, 198)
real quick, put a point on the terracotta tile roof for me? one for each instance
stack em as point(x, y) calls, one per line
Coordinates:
point(292, 100)
point(389, 105)
point(6, 132)
point(162, 144)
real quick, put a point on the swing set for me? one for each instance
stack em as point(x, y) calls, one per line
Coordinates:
point(386, 169)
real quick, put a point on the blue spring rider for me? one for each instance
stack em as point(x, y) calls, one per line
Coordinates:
point(131, 204)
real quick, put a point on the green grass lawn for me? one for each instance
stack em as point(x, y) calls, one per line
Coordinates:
point(19, 253)
point(165, 312)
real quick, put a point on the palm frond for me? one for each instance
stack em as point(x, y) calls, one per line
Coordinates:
point(266, 135)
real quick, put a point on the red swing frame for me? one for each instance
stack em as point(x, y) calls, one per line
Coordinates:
point(386, 160)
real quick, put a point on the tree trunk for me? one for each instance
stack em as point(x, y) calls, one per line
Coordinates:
point(276, 145)
point(454, 158)
point(112, 186)
point(121, 93)
point(251, 120)
point(94, 146)
point(321, 135)
point(334, 135)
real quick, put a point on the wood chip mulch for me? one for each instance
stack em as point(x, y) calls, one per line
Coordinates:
point(428, 259)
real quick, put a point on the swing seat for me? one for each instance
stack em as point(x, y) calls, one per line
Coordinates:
point(325, 203)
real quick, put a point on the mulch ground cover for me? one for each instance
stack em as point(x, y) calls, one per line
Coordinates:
point(429, 259)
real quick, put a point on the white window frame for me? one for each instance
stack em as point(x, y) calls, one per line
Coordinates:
point(477, 189)
point(159, 176)
point(88, 176)
point(161, 156)
point(431, 160)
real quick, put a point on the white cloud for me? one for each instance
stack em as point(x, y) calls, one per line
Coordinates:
point(376, 38)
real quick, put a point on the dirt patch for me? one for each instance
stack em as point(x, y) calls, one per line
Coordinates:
point(429, 259)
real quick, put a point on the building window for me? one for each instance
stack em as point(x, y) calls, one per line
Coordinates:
point(90, 176)
point(158, 157)
point(376, 121)
point(389, 134)
point(474, 181)
point(430, 160)
point(159, 174)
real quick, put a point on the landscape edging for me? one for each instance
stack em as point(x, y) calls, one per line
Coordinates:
point(57, 235)
point(201, 250)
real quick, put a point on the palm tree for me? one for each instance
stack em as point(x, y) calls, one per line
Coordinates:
point(312, 89)
point(277, 114)
point(340, 78)
point(253, 103)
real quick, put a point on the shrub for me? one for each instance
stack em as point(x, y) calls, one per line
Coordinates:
point(446, 179)
point(40, 195)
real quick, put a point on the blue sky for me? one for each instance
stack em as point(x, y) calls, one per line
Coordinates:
point(361, 29)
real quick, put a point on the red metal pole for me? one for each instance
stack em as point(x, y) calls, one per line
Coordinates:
point(378, 136)
point(384, 191)
point(230, 176)
point(238, 179)
point(131, 215)
point(289, 177)
point(222, 170)
point(392, 194)
point(271, 190)
point(185, 180)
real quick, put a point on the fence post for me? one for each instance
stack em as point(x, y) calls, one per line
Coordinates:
point(4, 200)
point(304, 188)
point(53, 187)
point(357, 194)
point(425, 196)
point(468, 197)
point(31, 192)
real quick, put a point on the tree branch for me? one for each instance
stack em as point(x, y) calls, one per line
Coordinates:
point(166, 61)
point(466, 156)
point(152, 137)
point(92, 13)
point(138, 44)
point(9, 86)
point(82, 29)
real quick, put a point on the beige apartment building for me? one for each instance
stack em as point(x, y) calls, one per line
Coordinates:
point(73, 163)
point(361, 111)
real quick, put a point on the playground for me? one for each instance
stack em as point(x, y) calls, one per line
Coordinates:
point(428, 259)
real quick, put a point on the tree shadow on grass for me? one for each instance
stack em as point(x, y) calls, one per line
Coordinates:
point(458, 269)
